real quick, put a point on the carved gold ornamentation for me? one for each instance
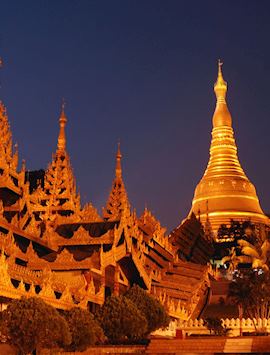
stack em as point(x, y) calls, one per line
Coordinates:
point(89, 214)
point(32, 291)
point(7, 241)
point(33, 228)
point(59, 184)
point(47, 291)
point(65, 257)
point(21, 286)
point(31, 253)
point(81, 235)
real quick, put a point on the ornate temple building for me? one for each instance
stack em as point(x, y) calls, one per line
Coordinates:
point(69, 255)
point(225, 193)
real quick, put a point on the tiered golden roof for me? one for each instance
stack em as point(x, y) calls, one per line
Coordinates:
point(118, 198)
point(49, 242)
point(225, 192)
point(59, 182)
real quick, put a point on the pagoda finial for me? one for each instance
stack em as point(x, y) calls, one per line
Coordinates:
point(222, 116)
point(220, 86)
point(118, 168)
point(63, 105)
point(219, 67)
point(61, 144)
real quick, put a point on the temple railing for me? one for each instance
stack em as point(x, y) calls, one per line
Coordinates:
point(197, 326)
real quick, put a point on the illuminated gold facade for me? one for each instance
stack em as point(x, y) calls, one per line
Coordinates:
point(69, 255)
point(225, 192)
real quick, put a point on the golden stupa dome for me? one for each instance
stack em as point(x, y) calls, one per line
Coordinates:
point(224, 192)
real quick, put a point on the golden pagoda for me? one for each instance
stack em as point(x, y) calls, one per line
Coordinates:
point(225, 192)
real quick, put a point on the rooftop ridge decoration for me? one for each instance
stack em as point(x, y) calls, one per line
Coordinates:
point(148, 219)
point(63, 260)
point(118, 196)
point(225, 192)
point(90, 214)
point(149, 223)
point(82, 237)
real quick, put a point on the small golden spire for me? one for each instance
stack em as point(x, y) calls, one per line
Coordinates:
point(61, 144)
point(118, 168)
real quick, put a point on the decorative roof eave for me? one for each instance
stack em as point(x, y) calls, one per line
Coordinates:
point(46, 280)
point(72, 265)
point(8, 244)
point(138, 259)
point(117, 253)
point(92, 241)
point(63, 261)
point(18, 231)
point(82, 237)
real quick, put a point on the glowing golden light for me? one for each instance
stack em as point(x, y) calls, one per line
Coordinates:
point(225, 192)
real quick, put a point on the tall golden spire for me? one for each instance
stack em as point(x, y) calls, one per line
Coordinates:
point(225, 192)
point(61, 144)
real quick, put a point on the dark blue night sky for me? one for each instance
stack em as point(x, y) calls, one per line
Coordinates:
point(143, 72)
